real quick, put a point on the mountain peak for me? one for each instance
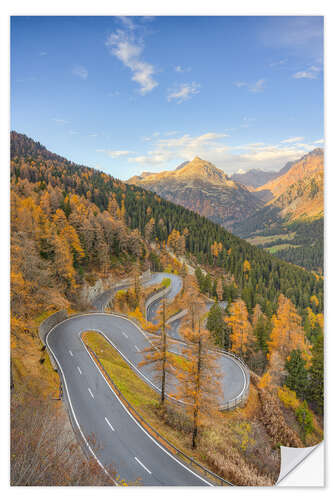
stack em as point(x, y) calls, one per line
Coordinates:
point(203, 169)
point(201, 186)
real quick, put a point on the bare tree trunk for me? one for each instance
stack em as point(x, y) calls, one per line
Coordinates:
point(195, 429)
point(196, 405)
point(164, 353)
point(12, 386)
point(192, 315)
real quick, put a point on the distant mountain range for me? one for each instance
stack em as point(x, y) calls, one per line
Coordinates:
point(203, 188)
point(281, 211)
point(290, 225)
point(299, 191)
point(257, 177)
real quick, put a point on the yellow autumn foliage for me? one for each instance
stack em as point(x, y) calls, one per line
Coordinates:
point(265, 381)
point(288, 397)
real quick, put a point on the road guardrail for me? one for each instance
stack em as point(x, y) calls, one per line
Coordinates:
point(169, 446)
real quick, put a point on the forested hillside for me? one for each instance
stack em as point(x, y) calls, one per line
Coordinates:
point(291, 223)
point(106, 204)
point(72, 225)
point(202, 187)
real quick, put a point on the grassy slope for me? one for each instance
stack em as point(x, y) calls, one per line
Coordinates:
point(221, 443)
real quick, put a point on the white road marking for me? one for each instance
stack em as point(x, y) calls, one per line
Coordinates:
point(70, 352)
point(125, 335)
point(106, 420)
point(136, 347)
point(121, 403)
point(145, 468)
point(73, 412)
point(131, 416)
point(91, 394)
point(141, 374)
point(79, 370)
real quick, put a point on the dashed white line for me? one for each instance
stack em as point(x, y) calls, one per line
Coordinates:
point(91, 394)
point(111, 427)
point(127, 411)
point(79, 370)
point(120, 402)
point(125, 335)
point(145, 468)
point(70, 352)
point(73, 412)
point(136, 347)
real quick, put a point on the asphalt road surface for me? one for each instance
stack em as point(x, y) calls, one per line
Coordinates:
point(175, 287)
point(233, 381)
point(102, 300)
point(118, 440)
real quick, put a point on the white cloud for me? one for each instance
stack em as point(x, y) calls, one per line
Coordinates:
point(147, 19)
point(311, 73)
point(150, 138)
point(306, 147)
point(171, 132)
point(114, 153)
point(240, 84)
point(184, 147)
point(253, 145)
point(183, 92)
point(59, 120)
point(168, 152)
point(305, 74)
point(129, 51)
point(315, 68)
point(255, 87)
point(320, 141)
point(279, 63)
point(181, 69)
point(292, 139)
point(270, 153)
point(42, 54)
point(302, 34)
point(80, 71)
point(258, 86)
point(128, 22)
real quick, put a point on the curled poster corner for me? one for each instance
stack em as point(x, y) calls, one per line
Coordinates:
point(291, 458)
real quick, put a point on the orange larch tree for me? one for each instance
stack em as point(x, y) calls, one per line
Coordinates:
point(149, 229)
point(158, 355)
point(287, 333)
point(199, 378)
point(246, 267)
point(177, 241)
point(63, 261)
point(216, 249)
point(113, 207)
point(241, 329)
point(219, 289)
point(257, 313)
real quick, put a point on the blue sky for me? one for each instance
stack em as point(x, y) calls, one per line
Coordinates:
point(146, 93)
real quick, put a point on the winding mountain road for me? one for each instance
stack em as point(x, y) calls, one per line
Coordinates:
point(96, 411)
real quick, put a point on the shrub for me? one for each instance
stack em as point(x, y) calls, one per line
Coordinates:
point(305, 419)
point(288, 397)
point(166, 282)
